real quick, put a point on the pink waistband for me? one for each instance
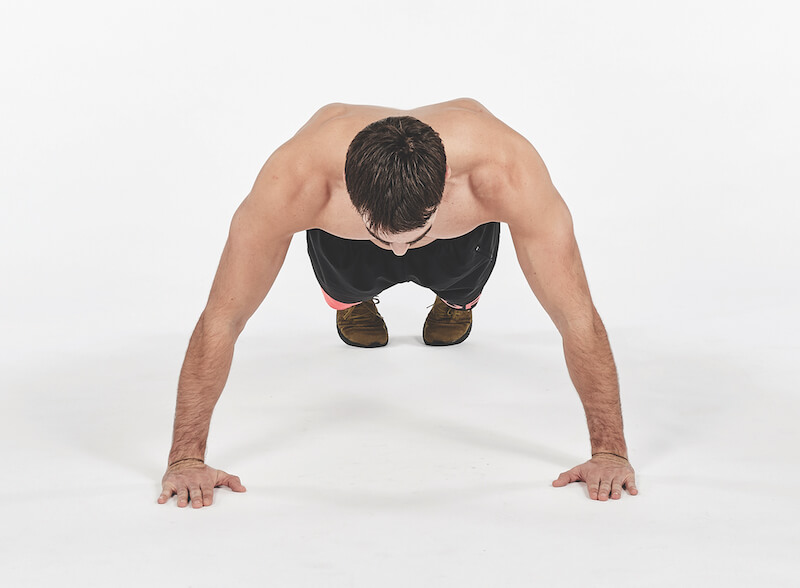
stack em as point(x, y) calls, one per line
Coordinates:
point(465, 307)
point(335, 304)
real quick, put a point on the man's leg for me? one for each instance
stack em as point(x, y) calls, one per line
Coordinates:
point(456, 270)
point(351, 274)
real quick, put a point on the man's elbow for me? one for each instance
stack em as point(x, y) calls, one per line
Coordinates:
point(581, 326)
point(221, 326)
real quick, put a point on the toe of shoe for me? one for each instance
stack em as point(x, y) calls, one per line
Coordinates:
point(364, 338)
point(449, 335)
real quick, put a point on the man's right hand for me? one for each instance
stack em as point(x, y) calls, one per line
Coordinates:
point(195, 481)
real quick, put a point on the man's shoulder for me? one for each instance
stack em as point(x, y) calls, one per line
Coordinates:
point(500, 158)
point(340, 114)
point(325, 114)
point(507, 174)
point(292, 186)
point(315, 154)
point(320, 145)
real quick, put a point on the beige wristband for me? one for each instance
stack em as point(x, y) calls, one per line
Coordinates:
point(609, 453)
point(185, 459)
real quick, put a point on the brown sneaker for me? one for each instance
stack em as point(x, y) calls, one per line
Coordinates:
point(362, 325)
point(446, 325)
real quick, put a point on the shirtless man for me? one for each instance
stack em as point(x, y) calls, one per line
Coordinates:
point(387, 196)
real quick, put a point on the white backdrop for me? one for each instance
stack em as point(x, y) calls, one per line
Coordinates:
point(129, 133)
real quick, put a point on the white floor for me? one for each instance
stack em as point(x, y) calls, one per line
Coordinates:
point(408, 465)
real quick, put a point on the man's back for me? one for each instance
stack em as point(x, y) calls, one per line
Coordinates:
point(485, 158)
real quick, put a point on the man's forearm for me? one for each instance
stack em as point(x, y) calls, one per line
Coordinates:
point(203, 376)
point(594, 374)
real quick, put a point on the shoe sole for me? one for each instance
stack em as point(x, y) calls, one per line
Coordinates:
point(456, 342)
point(354, 344)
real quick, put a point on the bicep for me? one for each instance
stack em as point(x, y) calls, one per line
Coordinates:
point(279, 205)
point(250, 262)
point(548, 254)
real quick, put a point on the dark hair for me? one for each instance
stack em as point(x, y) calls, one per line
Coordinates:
point(394, 172)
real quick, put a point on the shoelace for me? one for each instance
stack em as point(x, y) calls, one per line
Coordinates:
point(444, 309)
point(363, 313)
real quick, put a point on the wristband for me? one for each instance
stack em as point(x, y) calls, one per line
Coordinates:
point(185, 459)
point(609, 453)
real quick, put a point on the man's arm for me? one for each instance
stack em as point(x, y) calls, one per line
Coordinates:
point(541, 228)
point(260, 234)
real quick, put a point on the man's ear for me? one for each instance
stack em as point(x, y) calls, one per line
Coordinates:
point(446, 172)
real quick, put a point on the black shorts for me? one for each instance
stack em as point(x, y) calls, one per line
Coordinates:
point(455, 269)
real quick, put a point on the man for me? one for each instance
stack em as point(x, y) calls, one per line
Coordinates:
point(388, 196)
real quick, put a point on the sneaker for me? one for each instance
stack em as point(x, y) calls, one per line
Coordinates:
point(362, 325)
point(446, 325)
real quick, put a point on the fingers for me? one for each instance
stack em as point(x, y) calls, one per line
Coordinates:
point(196, 487)
point(208, 494)
point(603, 481)
point(166, 495)
point(567, 478)
point(601, 489)
point(604, 491)
point(593, 486)
point(197, 496)
point(232, 482)
point(616, 489)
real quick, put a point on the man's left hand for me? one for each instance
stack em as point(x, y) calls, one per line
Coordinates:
point(605, 475)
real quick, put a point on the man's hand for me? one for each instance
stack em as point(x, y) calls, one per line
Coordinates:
point(605, 475)
point(196, 481)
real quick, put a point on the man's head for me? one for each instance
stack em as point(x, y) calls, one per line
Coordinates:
point(395, 172)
